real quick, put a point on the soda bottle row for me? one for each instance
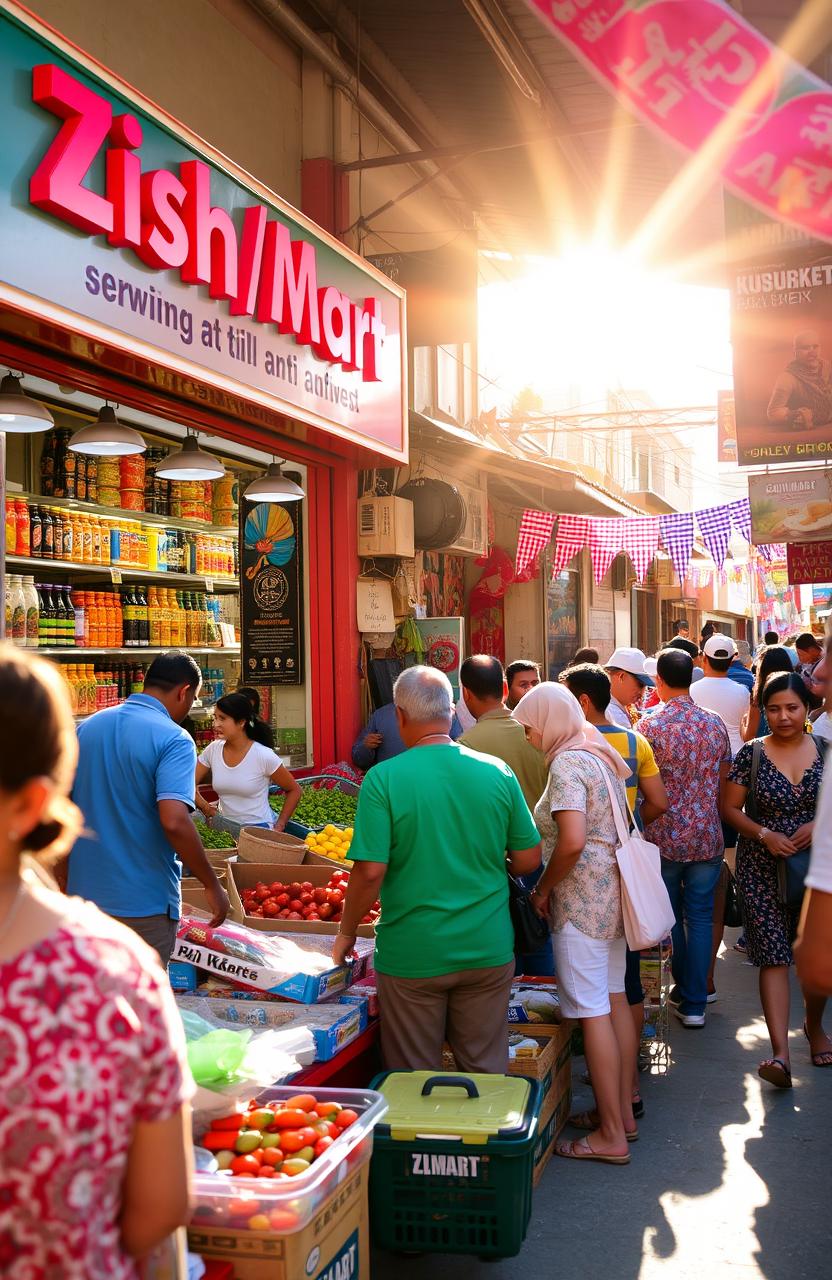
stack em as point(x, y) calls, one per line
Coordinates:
point(79, 537)
point(94, 686)
point(64, 474)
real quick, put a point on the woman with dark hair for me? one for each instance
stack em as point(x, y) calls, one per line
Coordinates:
point(94, 1141)
point(773, 659)
point(777, 779)
point(264, 734)
point(241, 768)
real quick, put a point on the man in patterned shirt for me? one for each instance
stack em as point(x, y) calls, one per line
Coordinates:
point(693, 754)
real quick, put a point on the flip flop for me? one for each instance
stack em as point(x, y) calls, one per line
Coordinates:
point(579, 1149)
point(775, 1071)
point(821, 1059)
point(589, 1120)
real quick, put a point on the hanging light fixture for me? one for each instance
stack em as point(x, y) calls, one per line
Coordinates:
point(107, 437)
point(274, 487)
point(19, 412)
point(190, 463)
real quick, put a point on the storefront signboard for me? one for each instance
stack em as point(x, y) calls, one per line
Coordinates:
point(271, 592)
point(791, 506)
point(118, 223)
point(809, 562)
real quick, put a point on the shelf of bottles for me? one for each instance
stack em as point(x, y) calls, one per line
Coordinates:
point(95, 686)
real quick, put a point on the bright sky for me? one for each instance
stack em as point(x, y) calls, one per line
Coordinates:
point(575, 327)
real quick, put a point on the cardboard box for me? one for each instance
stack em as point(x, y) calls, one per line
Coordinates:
point(385, 527)
point(259, 844)
point(183, 977)
point(257, 976)
point(332, 1026)
point(244, 875)
point(334, 1244)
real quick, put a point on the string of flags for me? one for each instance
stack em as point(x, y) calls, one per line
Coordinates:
point(638, 537)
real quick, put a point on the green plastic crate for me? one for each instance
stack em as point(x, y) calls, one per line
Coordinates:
point(469, 1188)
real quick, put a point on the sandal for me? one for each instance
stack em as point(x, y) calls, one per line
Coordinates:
point(638, 1107)
point(589, 1120)
point(776, 1072)
point(579, 1149)
point(821, 1059)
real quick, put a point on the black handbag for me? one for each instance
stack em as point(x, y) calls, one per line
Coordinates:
point(791, 871)
point(530, 931)
point(732, 916)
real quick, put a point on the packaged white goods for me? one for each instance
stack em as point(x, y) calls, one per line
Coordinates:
point(297, 968)
point(522, 1047)
point(534, 1003)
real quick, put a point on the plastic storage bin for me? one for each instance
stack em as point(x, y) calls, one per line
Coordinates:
point(223, 1201)
point(453, 1161)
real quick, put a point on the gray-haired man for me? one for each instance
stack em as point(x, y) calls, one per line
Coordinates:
point(433, 828)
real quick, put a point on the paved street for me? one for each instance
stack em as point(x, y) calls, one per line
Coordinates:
point(729, 1179)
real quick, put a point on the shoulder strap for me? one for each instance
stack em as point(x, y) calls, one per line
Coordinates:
point(750, 799)
point(620, 826)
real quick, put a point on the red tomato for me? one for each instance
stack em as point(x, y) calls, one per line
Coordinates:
point(229, 1122)
point(328, 1108)
point(296, 905)
point(345, 1118)
point(245, 1166)
point(291, 1118)
point(335, 896)
point(244, 1207)
point(367, 919)
point(301, 1102)
point(261, 893)
point(220, 1139)
point(256, 911)
point(294, 888)
point(319, 895)
point(291, 1141)
point(294, 915)
point(266, 1171)
point(307, 886)
point(276, 887)
point(283, 899)
point(270, 907)
point(273, 1156)
point(283, 1220)
point(306, 898)
point(322, 1145)
point(325, 910)
point(284, 914)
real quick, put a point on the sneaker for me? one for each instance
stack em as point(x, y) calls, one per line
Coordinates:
point(712, 997)
point(689, 1019)
point(675, 997)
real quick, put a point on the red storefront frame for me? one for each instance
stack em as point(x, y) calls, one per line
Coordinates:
point(332, 471)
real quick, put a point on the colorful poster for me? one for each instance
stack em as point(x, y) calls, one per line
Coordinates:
point(781, 332)
point(444, 641)
point(704, 78)
point(562, 600)
point(822, 595)
point(809, 562)
point(791, 506)
point(727, 425)
point(271, 592)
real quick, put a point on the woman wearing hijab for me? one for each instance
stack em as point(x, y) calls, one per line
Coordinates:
point(580, 892)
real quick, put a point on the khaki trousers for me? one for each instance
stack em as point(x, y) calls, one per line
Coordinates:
point(469, 1009)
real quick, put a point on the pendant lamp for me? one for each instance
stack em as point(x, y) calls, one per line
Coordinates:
point(190, 463)
point(274, 487)
point(107, 437)
point(19, 412)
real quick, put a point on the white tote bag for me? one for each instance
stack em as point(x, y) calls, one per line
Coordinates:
point(645, 902)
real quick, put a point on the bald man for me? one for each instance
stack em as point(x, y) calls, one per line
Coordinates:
point(802, 395)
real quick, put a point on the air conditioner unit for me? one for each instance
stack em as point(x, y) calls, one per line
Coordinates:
point(473, 541)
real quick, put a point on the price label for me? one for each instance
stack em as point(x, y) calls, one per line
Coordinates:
point(115, 576)
point(209, 585)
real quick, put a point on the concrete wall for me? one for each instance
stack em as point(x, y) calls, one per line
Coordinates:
point(213, 64)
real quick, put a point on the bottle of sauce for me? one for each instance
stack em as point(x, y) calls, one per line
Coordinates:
point(21, 514)
point(35, 532)
point(48, 538)
point(30, 597)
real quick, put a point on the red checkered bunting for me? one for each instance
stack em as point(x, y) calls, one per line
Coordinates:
point(535, 532)
point(640, 540)
point(573, 535)
point(605, 542)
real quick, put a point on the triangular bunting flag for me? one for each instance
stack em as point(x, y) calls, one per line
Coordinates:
point(573, 532)
point(677, 536)
point(640, 539)
point(741, 517)
point(715, 527)
point(535, 532)
point(605, 542)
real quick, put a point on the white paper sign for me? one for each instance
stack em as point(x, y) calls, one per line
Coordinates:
point(374, 606)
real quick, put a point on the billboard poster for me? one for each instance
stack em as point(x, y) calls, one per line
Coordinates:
point(271, 592)
point(444, 641)
point(809, 562)
point(781, 331)
point(791, 506)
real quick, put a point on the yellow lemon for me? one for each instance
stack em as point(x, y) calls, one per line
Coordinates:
point(349, 833)
point(328, 829)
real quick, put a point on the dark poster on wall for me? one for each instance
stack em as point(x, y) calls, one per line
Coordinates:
point(271, 592)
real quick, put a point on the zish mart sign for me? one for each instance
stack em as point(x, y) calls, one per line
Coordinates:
point(110, 216)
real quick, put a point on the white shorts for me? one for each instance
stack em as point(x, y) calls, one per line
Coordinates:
point(587, 970)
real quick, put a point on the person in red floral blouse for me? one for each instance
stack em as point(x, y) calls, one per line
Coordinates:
point(94, 1148)
point(693, 754)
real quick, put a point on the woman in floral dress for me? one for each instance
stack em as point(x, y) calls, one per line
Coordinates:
point(784, 802)
point(94, 1149)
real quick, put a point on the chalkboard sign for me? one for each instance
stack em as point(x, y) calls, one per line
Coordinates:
point(271, 592)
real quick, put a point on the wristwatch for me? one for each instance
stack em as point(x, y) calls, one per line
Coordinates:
point(762, 833)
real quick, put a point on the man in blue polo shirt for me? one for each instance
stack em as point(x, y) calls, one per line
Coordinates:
point(135, 788)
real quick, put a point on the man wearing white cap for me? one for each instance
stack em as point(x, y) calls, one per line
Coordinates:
point(717, 692)
point(628, 680)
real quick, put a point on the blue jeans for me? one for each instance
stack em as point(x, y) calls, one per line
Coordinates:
point(541, 963)
point(691, 888)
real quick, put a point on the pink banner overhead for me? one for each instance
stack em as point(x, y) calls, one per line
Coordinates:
point(573, 535)
point(605, 542)
point(535, 533)
point(695, 70)
point(640, 539)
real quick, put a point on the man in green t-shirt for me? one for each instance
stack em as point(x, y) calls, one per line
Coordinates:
point(432, 831)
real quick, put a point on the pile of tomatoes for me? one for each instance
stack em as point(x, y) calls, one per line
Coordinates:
point(277, 1141)
point(301, 900)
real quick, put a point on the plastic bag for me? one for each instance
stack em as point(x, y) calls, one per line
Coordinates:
point(228, 1063)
